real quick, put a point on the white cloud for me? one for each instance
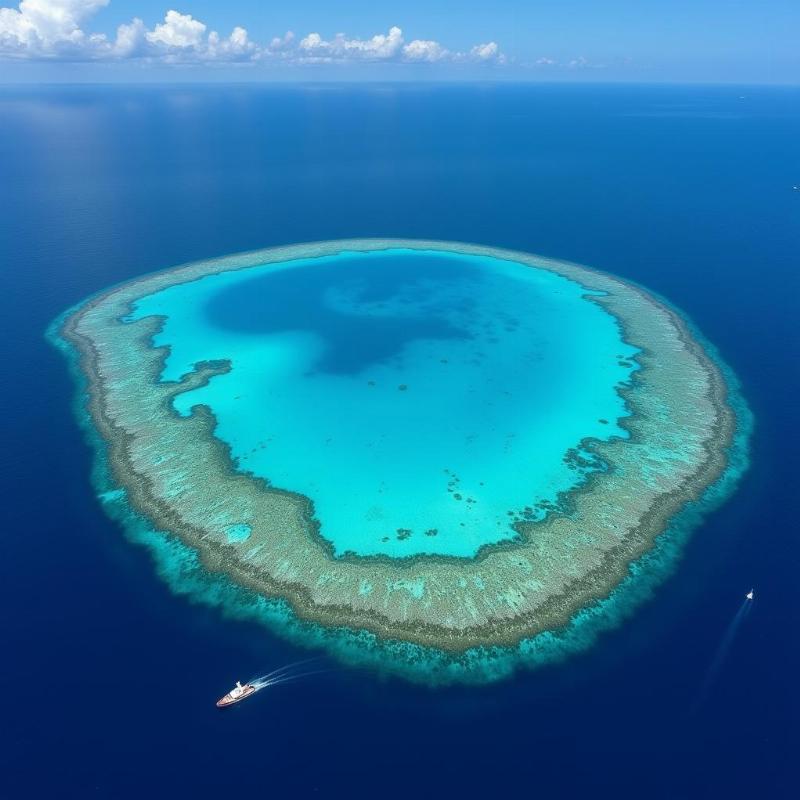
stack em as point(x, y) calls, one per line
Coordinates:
point(386, 47)
point(178, 30)
point(378, 46)
point(281, 43)
point(313, 42)
point(424, 50)
point(181, 38)
point(131, 39)
point(381, 47)
point(54, 29)
point(48, 28)
point(485, 52)
point(237, 47)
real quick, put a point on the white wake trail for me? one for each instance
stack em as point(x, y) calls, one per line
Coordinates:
point(283, 674)
point(721, 654)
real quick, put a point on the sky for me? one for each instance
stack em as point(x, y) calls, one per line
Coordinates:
point(736, 41)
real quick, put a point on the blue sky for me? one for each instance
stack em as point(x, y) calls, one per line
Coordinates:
point(637, 40)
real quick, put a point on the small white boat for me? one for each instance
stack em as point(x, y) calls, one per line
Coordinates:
point(750, 595)
point(238, 693)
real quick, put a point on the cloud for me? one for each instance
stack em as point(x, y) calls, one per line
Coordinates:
point(578, 63)
point(49, 28)
point(54, 30)
point(181, 38)
point(282, 43)
point(485, 52)
point(237, 47)
point(387, 47)
point(381, 47)
point(551, 64)
point(131, 39)
point(425, 50)
point(178, 30)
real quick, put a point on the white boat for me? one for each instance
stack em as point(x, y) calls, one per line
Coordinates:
point(750, 595)
point(238, 693)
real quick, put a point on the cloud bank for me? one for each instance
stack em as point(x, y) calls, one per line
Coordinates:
point(51, 30)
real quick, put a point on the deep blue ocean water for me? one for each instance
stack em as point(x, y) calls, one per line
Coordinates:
point(108, 679)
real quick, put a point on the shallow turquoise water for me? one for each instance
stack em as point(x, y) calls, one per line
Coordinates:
point(423, 400)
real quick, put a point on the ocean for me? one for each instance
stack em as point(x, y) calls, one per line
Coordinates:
point(109, 678)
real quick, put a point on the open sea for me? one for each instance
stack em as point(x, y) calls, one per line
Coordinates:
point(109, 679)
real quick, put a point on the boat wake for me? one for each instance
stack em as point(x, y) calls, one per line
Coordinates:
point(285, 674)
point(722, 652)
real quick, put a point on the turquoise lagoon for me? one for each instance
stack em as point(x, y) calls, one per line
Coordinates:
point(424, 401)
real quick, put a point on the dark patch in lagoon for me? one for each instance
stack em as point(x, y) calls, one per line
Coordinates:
point(353, 317)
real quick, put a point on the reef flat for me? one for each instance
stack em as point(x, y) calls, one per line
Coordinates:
point(597, 509)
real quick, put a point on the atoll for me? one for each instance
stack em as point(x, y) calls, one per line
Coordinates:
point(554, 562)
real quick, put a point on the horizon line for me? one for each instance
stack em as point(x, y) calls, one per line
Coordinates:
point(288, 82)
